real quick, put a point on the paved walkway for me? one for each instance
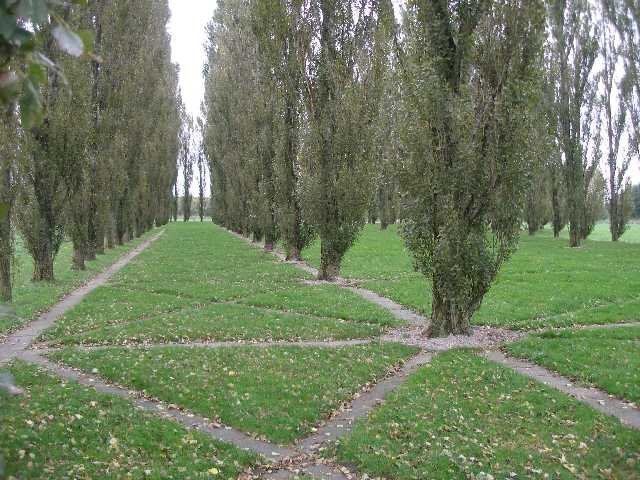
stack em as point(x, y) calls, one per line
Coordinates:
point(22, 339)
point(301, 458)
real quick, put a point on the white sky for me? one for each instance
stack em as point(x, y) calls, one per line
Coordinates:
point(187, 27)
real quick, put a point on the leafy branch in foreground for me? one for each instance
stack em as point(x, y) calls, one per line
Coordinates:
point(23, 63)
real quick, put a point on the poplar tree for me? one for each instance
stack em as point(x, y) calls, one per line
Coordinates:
point(470, 80)
point(8, 153)
point(342, 98)
point(40, 172)
point(186, 162)
point(573, 50)
point(615, 112)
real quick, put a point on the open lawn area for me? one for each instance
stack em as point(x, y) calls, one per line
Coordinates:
point(310, 375)
point(544, 284)
point(32, 298)
point(60, 430)
point(198, 282)
point(464, 417)
point(608, 358)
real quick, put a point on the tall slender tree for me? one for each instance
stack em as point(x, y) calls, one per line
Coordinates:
point(615, 113)
point(573, 50)
point(343, 77)
point(8, 152)
point(470, 81)
point(186, 162)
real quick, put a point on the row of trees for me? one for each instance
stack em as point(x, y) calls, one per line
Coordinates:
point(463, 120)
point(100, 165)
point(590, 105)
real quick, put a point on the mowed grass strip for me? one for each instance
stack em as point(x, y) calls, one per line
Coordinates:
point(30, 299)
point(606, 358)
point(544, 284)
point(184, 288)
point(111, 307)
point(465, 417)
point(220, 322)
point(278, 393)
point(63, 430)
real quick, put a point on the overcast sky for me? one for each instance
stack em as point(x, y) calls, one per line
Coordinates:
point(187, 27)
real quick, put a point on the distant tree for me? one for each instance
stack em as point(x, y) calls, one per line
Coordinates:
point(573, 50)
point(470, 81)
point(615, 114)
point(596, 201)
point(635, 200)
point(186, 162)
point(201, 180)
point(538, 206)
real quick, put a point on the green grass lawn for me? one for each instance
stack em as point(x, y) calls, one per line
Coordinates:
point(60, 430)
point(280, 393)
point(606, 358)
point(544, 284)
point(466, 417)
point(199, 282)
point(601, 233)
point(31, 298)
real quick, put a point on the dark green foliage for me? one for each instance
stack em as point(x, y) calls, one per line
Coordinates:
point(23, 61)
point(469, 84)
point(100, 165)
point(635, 195)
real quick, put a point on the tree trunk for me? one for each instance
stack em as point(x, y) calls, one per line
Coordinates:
point(555, 205)
point(329, 263)
point(77, 260)
point(6, 246)
point(574, 235)
point(447, 318)
point(43, 265)
point(293, 254)
point(99, 240)
point(5, 257)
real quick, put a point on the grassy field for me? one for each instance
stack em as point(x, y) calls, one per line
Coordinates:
point(60, 430)
point(601, 233)
point(280, 393)
point(32, 298)
point(460, 417)
point(199, 282)
point(606, 358)
point(465, 417)
point(544, 284)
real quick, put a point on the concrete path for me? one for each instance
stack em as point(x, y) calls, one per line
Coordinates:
point(342, 423)
point(213, 345)
point(22, 339)
point(599, 400)
point(219, 432)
